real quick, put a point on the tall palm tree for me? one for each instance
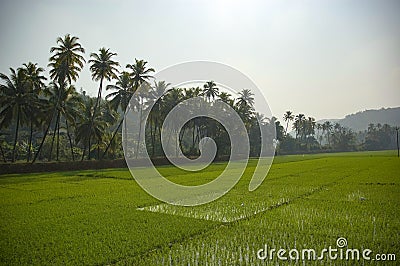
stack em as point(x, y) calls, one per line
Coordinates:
point(103, 67)
point(319, 127)
point(192, 93)
point(119, 99)
point(35, 82)
point(245, 106)
point(68, 105)
point(327, 127)
point(97, 127)
point(67, 60)
point(155, 114)
point(210, 90)
point(299, 125)
point(246, 97)
point(288, 117)
point(140, 73)
point(65, 63)
point(171, 99)
point(16, 101)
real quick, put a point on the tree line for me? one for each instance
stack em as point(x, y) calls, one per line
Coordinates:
point(47, 119)
point(310, 136)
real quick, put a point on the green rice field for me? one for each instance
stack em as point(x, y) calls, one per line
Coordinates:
point(104, 217)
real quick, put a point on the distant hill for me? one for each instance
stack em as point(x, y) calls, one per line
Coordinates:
point(360, 120)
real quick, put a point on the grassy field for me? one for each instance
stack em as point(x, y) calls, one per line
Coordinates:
point(104, 217)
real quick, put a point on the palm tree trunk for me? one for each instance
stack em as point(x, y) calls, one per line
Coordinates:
point(181, 137)
point(58, 140)
point(16, 135)
point(54, 135)
point(98, 149)
point(94, 112)
point(112, 138)
point(2, 153)
point(329, 142)
point(159, 128)
point(83, 152)
point(287, 124)
point(193, 135)
point(43, 139)
point(140, 127)
point(28, 157)
point(154, 138)
point(89, 147)
point(70, 141)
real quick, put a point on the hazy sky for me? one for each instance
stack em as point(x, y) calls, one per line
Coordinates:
point(322, 58)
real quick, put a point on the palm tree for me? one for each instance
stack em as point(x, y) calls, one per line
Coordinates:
point(66, 63)
point(210, 90)
point(192, 93)
point(140, 97)
point(327, 127)
point(34, 79)
point(319, 127)
point(140, 73)
point(16, 101)
point(120, 99)
point(226, 98)
point(155, 114)
point(97, 127)
point(68, 107)
point(67, 60)
point(103, 67)
point(299, 125)
point(288, 117)
point(172, 99)
point(246, 97)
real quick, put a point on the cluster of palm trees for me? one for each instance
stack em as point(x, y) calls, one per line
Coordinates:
point(48, 109)
point(380, 136)
point(310, 135)
point(196, 129)
point(59, 123)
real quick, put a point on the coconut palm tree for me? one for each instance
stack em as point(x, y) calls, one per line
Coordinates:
point(226, 98)
point(327, 127)
point(171, 99)
point(244, 106)
point(246, 98)
point(103, 67)
point(119, 99)
point(69, 108)
point(210, 90)
point(140, 73)
point(155, 114)
point(97, 127)
point(65, 63)
point(299, 125)
point(192, 93)
point(67, 60)
point(16, 102)
point(288, 117)
point(319, 127)
point(35, 82)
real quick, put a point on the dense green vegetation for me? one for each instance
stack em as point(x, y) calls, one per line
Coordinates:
point(46, 118)
point(103, 217)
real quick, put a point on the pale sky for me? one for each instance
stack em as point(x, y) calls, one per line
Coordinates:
point(322, 58)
